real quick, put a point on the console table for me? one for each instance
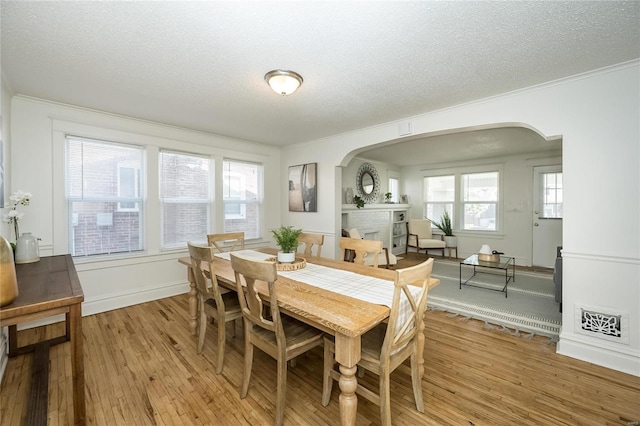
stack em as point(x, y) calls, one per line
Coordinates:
point(47, 288)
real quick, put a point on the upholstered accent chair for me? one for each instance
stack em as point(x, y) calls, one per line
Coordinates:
point(419, 236)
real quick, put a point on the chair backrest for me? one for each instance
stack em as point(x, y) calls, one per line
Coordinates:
point(403, 326)
point(420, 227)
point(361, 248)
point(251, 271)
point(217, 240)
point(200, 257)
point(353, 233)
point(311, 240)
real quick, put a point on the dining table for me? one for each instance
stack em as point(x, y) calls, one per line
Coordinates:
point(346, 318)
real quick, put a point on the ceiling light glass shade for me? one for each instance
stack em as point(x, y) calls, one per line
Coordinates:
point(283, 82)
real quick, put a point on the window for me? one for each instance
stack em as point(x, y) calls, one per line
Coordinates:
point(185, 198)
point(440, 197)
point(471, 199)
point(551, 195)
point(128, 185)
point(394, 189)
point(104, 188)
point(479, 201)
point(242, 197)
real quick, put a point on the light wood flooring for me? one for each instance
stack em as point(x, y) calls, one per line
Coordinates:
point(141, 368)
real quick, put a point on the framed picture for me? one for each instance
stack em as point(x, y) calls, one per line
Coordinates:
point(303, 194)
point(404, 199)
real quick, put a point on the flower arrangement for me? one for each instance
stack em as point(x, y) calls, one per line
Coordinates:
point(17, 198)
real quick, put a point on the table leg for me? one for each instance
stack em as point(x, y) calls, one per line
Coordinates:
point(348, 355)
point(193, 307)
point(77, 363)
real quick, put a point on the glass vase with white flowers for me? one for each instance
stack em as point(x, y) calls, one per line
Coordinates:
point(18, 198)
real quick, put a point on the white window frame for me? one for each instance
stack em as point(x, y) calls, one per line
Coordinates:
point(243, 201)
point(457, 210)
point(464, 203)
point(72, 218)
point(136, 176)
point(170, 200)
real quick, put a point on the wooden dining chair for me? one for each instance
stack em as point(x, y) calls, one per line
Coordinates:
point(228, 241)
point(388, 345)
point(355, 250)
point(223, 307)
point(388, 259)
point(280, 336)
point(309, 241)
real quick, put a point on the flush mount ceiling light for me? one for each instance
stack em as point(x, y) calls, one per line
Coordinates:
point(283, 82)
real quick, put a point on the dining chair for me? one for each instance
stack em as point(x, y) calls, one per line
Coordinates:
point(224, 307)
point(389, 259)
point(309, 241)
point(236, 239)
point(388, 345)
point(280, 336)
point(356, 250)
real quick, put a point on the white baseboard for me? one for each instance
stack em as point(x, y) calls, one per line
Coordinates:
point(605, 354)
point(116, 301)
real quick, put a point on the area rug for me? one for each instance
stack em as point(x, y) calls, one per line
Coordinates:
point(529, 309)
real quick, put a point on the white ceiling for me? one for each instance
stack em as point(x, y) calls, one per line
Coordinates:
point(200, 65)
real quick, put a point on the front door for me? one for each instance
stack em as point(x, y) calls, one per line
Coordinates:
point(547, 214)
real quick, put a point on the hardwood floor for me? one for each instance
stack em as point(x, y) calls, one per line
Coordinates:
point(142, 368)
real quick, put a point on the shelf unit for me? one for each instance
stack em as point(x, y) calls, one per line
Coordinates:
point(386, 222)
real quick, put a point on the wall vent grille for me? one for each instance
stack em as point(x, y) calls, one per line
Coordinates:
point(602, 323)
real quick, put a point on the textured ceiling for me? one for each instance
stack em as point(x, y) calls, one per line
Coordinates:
point(200, 65)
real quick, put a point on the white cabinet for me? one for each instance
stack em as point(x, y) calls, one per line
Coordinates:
point(386, 222)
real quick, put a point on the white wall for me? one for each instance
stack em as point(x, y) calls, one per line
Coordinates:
point(37, 166)
point(597, 115)
point(5, 136)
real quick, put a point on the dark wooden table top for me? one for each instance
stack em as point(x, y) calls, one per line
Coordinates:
point(48, 284)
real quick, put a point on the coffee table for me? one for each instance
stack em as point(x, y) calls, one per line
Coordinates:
point(502, 265)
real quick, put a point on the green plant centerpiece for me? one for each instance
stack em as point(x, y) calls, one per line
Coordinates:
point(359, 202)
point(445, 226)
point(287, 239)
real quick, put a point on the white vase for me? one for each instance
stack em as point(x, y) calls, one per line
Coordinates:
point(286, 257)
point(27, 250)
point(349, 196)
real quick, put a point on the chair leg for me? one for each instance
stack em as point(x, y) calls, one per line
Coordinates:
point(417, 383)
point(248, 363)
point(222, 334)
point(327, 381)
point(385, 398)
point(203, 328)
point(281, 390)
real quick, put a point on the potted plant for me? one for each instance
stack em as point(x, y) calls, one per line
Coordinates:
point(387, 198)
point(359, 202)
point(287, 239)
point(445, 226)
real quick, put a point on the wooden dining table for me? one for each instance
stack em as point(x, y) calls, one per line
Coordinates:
point(344, 317)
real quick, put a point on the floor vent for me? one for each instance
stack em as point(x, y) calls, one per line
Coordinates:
point(602, 323)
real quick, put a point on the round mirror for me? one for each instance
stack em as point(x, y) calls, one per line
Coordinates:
point(368, 183)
